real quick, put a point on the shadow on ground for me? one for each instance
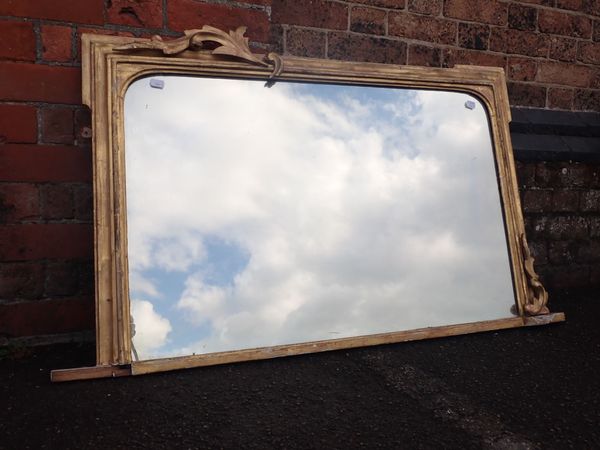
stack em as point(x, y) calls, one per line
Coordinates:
point(514, 389)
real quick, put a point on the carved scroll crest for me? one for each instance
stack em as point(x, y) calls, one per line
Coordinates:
point(233, 44)
point(537, 296)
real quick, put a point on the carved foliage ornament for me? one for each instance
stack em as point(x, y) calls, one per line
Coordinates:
point(537, 298)
point(233, 44)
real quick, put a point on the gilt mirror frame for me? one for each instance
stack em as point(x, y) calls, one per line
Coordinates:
point(111, 64)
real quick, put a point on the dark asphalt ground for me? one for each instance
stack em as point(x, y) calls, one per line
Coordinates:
point(513, 389)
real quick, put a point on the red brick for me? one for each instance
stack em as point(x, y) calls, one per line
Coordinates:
point(57, 125)
point(429, 7)
point(62, 279)
point(18, 201)
point(596, 35)
point(565, 74)
point(83, 126)
point(567, 228)
point(486, 11)
point(537, 201)
point(304, 42)
point(540, 2)
point(88, 11)
point(562, 252)
point(353, 47)
point(367, 20)
point(563, 49)
point(575, 5)
point(18, 123)
point(591, 7)
point(56, 201)
point(83, 202)
point(559, 98)
point(40, 241)
point(18, 41)
point(187, 14)
point(519, 42)
point(556, 22)
point(57, 43)
point(35, 82)
point(589, 52)
point(521, 17)
point(525, 174)
point(472, 35)
point(433, 30)
point(38, 163)
point(525, 94)
point(136, 13)
point(47, 317)
point(452, 56)
point(422, 55)
point(21, 281)
point(587, 100)
point(521, 69)
point(392, 4)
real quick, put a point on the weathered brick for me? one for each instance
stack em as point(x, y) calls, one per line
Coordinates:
point(539, 2)
point(487, 11)
point(36, 82)
point(422, 55)
point(535, 227)
point(310, 13)
point(38, 163)
point(521, 69)
point(136, 13)
point(521, 17)
point(565, 276)
point(452, 56)
point(18, 201)
point(83, 202)
point(562, 252)
point(589, 52)
point(563, 49)
point(567, 228)
point(429, 7)
point(595, 275)
point(556, 22)
point(525, 174)
point(303, 42)
point(591, 7)
point(590, 201)
point(354, 47)
point(47, 317)
point(18, 123)
point(18, 41)
point(423, 28)
point(595, 227)
point(519, 42)
point(525, 94)
point(56, 43)
point(367, 20)
point(539, 252)
point(537, 201)
point(393, 4)
point(57, 201)
point(589, 252)
point(575, 5)
point(565, 201)
point(62, 279)
point(587, 100)
point(559, 98)
point(565, 74)
point(57, 125)
point(40, 241)
point(187, 14)
point(563, 175)
point(475, 36)
point(21, 281)
point(88, 11)
point(83, 126)
point(596, 34)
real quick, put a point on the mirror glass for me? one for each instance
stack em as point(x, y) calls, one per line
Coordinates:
point(302, 212)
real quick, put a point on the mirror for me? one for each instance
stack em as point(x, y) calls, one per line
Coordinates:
point(252, 206)
point(305, 212)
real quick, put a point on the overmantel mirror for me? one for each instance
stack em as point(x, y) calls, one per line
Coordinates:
point(254, 206)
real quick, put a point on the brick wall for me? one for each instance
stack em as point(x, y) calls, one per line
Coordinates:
point(549, 48)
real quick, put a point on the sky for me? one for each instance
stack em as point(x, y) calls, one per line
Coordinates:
point(265, 216)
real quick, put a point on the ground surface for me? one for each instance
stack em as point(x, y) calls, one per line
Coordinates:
point(513, 389)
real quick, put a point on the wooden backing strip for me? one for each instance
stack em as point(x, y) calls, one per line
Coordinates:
point(89, 373)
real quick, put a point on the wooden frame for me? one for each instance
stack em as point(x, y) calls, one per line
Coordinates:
point(111, 64)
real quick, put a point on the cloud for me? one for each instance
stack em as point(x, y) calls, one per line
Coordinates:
point(151, 329)
point(358, 210)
